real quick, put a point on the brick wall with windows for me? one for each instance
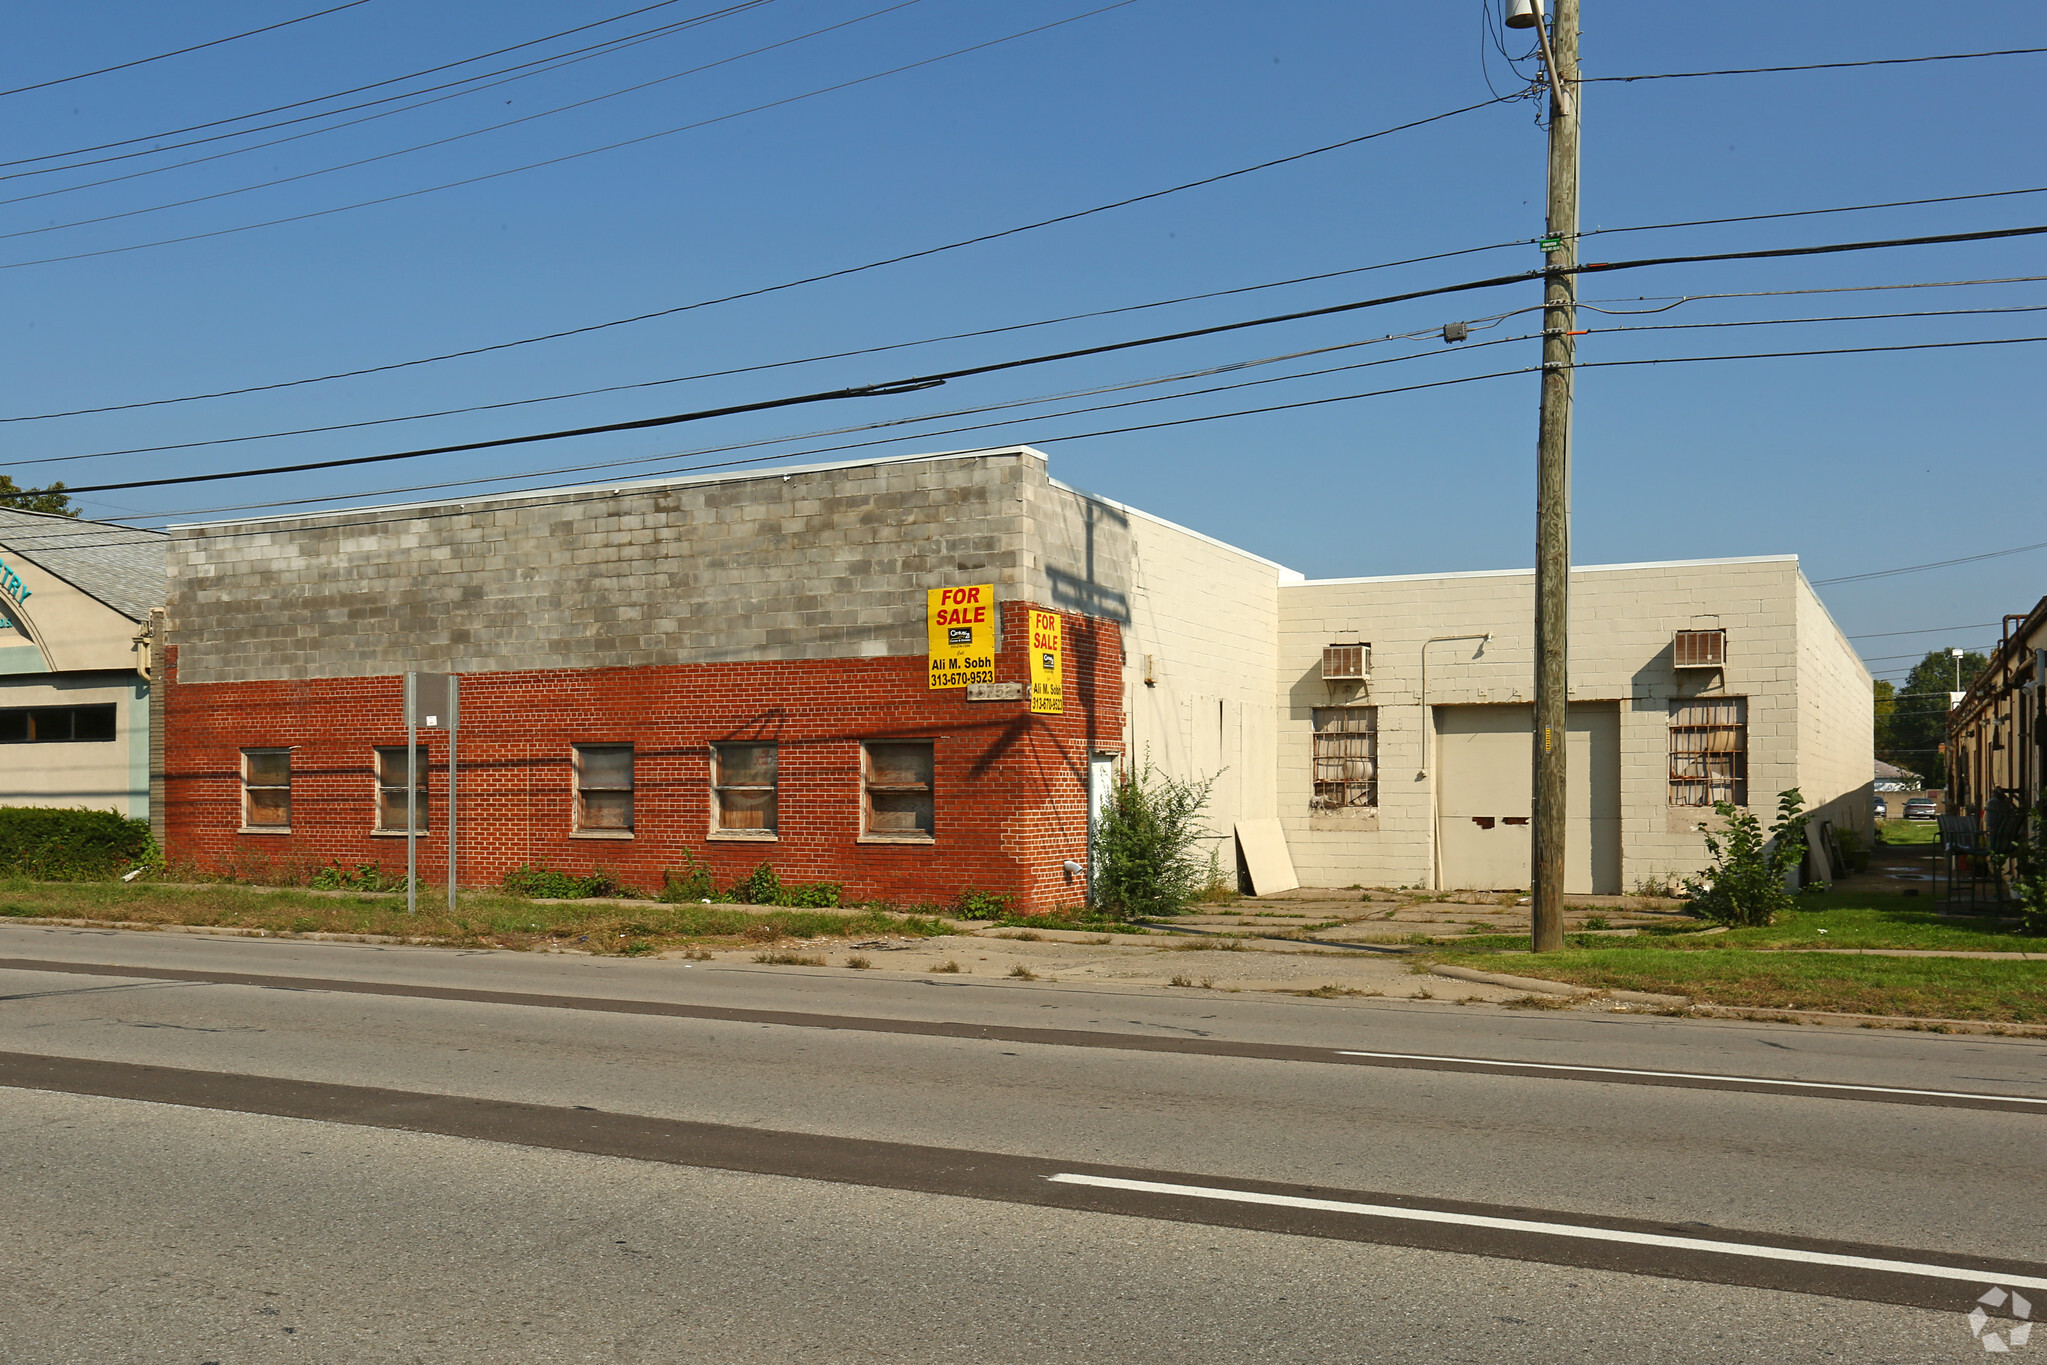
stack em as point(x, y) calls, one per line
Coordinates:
point(873, 780)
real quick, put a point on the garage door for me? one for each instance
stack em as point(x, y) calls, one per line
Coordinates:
point(1482, 797)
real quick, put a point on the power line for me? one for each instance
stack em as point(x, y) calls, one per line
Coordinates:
point(436, 142)
point(179, 52)
point(792, 284)
point(1936, 564)
point(565, 157)
point(1603, 331)
point(1929, 630)
point(467, 85)
point(927, 381)
point(377, 85)
point(1817, 66)
point(1808, 213)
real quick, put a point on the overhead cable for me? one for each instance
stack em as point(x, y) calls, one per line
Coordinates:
point(995, 367)
point(567, 156)
point(1936, 564)
point(1817, 66)
point(179, 52)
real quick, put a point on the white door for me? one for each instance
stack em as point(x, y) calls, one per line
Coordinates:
point(1101, 778)
point(1483, 781)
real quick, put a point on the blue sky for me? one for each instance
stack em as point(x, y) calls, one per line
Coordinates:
point(1855, 462)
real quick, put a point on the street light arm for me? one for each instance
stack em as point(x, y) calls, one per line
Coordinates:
point(1558, 95)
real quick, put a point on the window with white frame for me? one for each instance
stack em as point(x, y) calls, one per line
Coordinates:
point(1346, 757)
point(391, 789)
point(897, 790)
point(1709, 751)
point(743, 789)
point(266, 789)
point(604, 788)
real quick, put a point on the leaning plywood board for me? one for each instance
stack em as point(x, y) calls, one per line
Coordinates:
point(1263, 844)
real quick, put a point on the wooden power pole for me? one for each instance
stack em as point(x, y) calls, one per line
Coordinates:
point(1553, 487)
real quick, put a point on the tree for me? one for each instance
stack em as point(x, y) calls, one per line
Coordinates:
point(53, 499)
point(1911, 733)
point(1886, 706)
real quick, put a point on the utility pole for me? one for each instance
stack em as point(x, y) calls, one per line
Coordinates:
point(1553, 481)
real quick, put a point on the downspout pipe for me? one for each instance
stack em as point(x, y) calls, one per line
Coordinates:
point(1428, 728)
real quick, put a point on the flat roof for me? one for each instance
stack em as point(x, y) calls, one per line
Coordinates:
point(1575, 568)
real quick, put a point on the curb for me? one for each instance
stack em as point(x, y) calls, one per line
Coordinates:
point(1530, 983)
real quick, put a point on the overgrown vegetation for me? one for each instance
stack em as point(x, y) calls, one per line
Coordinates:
point(1150, 826)
point(55, 844)
point(541, 882)
point(1745, 882)
point(361, 877)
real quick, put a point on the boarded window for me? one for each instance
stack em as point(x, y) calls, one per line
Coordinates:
point(391, 789)
point(1709, 751)
point(743, 778)
point(266, 789)
point(1346, 757)
point(604, 787)
point(56, 724)
point(897, 778)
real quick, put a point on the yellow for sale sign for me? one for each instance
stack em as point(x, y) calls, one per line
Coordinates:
point(961, 626)
point(1048, 663)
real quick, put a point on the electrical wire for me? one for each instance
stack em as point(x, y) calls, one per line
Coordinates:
point(1474, 325)
point(1936, 564)
point(468, 85)
point(1808, 213)
point(814, 279)
point(1929, 630)
point(179, 52)
point(445, 141)
point(157, 137)
point(1817, 66)
point(567, 156)
point(928, 381)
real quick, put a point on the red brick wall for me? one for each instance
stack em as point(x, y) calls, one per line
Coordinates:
point(1010, 796)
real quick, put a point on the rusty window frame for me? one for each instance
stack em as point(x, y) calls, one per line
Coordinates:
point(1709, 751)
point(1346, 756)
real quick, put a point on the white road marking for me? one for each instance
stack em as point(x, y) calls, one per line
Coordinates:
point(1590, 1234)
point(1703, 1076)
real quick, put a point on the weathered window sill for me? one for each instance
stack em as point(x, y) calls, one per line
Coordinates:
point(601, 834)
point(264, 829)
point(896, 839)
point(745, 836)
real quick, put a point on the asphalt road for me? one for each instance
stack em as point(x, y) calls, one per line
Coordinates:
point(237, 1150)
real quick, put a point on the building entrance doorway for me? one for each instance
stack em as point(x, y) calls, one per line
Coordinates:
point(1482, 773)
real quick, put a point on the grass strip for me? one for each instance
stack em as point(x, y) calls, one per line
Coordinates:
point(478, 919)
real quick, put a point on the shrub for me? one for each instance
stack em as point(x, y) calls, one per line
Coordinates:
point(1147, 864)
point(762, 887)
point(689, 884)
point(1745, 884)
point(972, 904)
point(2027, 865)
point(58, 844)
point(541, 882)
point(1852, 851)
point(361, 877)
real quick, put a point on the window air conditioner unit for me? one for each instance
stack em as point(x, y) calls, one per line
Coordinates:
point(1699, 649)
point(1346, 663)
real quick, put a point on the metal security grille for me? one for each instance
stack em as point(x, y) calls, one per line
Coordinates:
point(1346, 757)
point(1709, 751)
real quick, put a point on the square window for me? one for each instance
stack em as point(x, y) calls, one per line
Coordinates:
point(744, 782)
point(391, 789)
point(896, 776)
point(266, 789)
point(604, 788)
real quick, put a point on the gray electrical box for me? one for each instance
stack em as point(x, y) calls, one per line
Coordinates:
point(432, 700)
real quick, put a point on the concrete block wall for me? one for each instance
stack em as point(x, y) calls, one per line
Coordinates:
point(827, 562)
point(1837, 718)
point(1623, 618)
point(1198, 675)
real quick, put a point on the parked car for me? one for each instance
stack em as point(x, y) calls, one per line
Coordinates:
point(1921, 808)
point(1883, 810)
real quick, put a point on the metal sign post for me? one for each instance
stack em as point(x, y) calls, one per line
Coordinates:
point(432, 701)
